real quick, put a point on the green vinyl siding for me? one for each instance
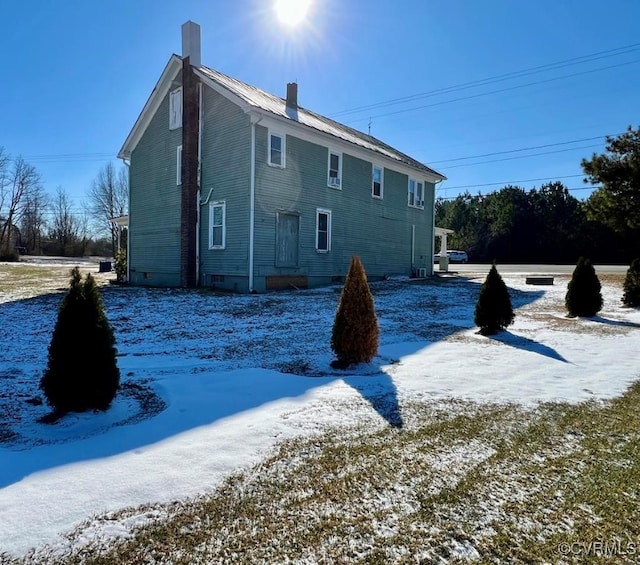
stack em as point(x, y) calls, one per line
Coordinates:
point(378, 231)
point(154, 208)
point(226, 175)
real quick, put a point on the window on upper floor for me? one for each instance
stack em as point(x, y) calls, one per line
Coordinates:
point(376, 181)
point(179, 165)
point(217, 225)
point(334, 177)
point(276, 150)
point(416, 193)
point(175, 108)
point(323, 230)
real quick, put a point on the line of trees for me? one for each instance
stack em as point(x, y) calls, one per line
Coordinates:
point(36, 222)
point(548, 224)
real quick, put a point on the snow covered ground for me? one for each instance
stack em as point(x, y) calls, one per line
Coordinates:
point(211, 382)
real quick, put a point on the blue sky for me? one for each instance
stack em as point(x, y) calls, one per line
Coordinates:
point(77, 73)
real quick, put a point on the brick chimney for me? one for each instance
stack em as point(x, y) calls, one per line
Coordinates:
point(190, 152)
point(292, 95)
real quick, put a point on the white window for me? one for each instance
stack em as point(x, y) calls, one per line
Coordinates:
point(412, 192)
point(420, 194)
point(323, 230)
point(276, 150)
point(179, 165)
point(334, 179)
point(376, 181)
point(175, 108)
point(416, 193)
point(217, 225)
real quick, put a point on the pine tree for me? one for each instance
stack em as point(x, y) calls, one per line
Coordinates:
point(82, 373)
point(631, 287)
point(583, 296)
point(355, 334)
point(493, 310)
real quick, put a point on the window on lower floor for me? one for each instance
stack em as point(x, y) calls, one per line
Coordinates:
point(323, 230)
point(217, 225)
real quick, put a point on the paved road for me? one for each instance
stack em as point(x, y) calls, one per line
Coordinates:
point(533, 269)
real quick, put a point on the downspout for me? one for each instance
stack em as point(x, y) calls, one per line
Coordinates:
point(199, 184)
point(128, 165)
point(413, 247)
point(252, 200)
point(433, 227)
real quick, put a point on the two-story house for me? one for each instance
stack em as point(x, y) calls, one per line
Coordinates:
point(238, 189)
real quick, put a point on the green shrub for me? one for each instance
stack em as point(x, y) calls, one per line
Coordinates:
point(583, 296)
point(631, 286)
point(493, 310)
point(355, 334)
point(82, 373)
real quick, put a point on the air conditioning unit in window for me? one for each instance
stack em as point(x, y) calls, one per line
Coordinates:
point(334, 181)
point(422, 273)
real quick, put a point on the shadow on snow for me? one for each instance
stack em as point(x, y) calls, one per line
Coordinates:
point(194, 399)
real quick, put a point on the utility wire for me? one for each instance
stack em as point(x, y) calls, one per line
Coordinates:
point(524, 149)
point(507, 182)
point(498, 78)
point(500, 90)
point(573, 189)
point(519, 157)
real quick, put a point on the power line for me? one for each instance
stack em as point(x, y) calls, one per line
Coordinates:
point(573, 189)
point(506, 182)
point(519, 157)
point(500, 90)
point(524, 149)
point(498, 78)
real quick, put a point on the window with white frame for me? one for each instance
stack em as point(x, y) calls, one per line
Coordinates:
point(420, 194)
point(175, 108)
point(412, 192)
point(179, 165)
point(217, 225)
point(323, 230)
point(334, 178)
point(416, 193)
point(376, 181)
point(276, 149)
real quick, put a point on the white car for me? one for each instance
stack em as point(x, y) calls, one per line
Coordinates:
point(454, 256)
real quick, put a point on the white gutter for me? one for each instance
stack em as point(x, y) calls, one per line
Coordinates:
point(199, 178)
point(413, 246)
point(252, 199)
point(433, 227)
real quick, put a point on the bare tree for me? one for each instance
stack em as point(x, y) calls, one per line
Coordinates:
point(109, 198)
point(33, 220)
point(68, 229)
point(18, 182)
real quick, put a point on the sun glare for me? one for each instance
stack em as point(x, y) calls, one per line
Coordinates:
point(292, 12)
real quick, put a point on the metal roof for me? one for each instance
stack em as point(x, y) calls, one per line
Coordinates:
point(261, 100)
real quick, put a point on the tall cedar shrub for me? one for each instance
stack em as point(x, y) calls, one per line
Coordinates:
point(355, 334)
point(583, 296)
point(631, 287)
point(493, 309)
point(82, 373)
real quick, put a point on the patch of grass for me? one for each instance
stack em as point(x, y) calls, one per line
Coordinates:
point(496, 483)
